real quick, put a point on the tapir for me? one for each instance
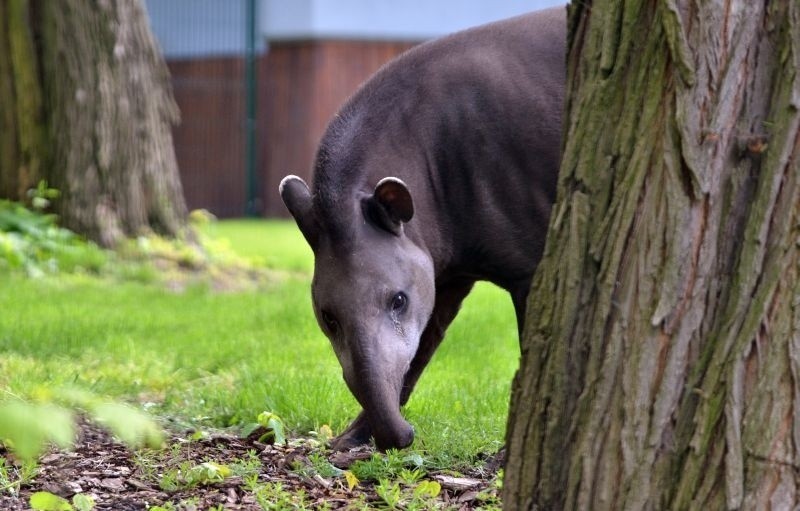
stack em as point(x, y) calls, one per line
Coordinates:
point(438, 172)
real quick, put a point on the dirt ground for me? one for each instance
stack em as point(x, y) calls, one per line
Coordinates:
point(121, 480)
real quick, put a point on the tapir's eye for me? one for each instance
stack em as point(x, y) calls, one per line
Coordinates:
point(330, 322)
point(399, 302)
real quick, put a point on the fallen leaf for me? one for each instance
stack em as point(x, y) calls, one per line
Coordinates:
point(457, 483)
point(352, 480)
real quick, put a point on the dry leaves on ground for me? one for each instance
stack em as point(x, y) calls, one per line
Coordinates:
point(225, 472)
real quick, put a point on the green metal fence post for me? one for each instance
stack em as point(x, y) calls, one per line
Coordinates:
point(251, 195)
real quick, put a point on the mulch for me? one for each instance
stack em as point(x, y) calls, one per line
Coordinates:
point(121, 480)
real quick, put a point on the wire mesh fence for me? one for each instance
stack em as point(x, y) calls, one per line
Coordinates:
point(205, 43)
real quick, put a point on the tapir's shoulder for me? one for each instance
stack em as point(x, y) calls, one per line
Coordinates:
point(485, 55)
point(532, 31)
point(536, 40)
point(545, 21)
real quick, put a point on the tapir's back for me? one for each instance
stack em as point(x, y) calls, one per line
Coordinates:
point(472, 123)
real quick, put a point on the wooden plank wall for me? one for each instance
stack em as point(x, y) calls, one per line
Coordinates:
point(301, 85)
point(306, 83)
point(209, 141)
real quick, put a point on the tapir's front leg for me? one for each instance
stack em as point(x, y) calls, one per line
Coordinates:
point(448, 301)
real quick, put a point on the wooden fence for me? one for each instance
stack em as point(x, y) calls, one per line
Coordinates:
point(300, 86)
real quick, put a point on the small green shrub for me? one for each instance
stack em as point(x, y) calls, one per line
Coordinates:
point(272, 496)
point(46, 501)
point(33, 242)
point(189, 475)
point(14, 475)
point(410, 496)
point(273, 428)
point(389, 466)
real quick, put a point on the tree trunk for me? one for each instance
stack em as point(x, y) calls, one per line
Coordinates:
point(660, 363)
point(21, 114)
point(92, 72)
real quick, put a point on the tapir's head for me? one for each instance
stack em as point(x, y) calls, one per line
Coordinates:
point(373, 292)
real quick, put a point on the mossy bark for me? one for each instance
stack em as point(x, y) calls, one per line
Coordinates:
point(94, 112)
point(21, 114)
point(660, 363)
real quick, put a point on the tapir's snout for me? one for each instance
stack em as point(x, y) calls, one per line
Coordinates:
point(389, 429)
point(377, 389)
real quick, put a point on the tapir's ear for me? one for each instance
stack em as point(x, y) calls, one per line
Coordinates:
point(297, 198)
point(390, 205)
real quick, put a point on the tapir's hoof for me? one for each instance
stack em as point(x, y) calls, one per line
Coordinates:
point(357, 434)
point(345, 442)
point(400, 438)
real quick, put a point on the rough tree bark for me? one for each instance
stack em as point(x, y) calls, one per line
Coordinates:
point(661, 360)
point(86, 102)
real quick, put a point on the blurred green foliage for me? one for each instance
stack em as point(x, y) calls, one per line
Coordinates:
point(33, 242)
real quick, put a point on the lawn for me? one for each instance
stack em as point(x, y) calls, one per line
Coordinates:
point(208, 359)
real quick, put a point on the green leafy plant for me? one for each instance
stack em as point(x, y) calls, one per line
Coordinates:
point(147, 464)
point(410, 477)
point(388, 466)
point(170, 480)
point(389, 492)
point(27, 427)
point(189, 504)
point(42, 195)
point(130, 425)
point(31, 241)
point(14, 476)
point(322, 466)
point(46, 501)
point(247, 466)
point(188, 475)
point(273, 496)
point(194, 256)
point(207, 472)
point(416, 495)
point(490, 497)
point(427, 490)
point(275, 432)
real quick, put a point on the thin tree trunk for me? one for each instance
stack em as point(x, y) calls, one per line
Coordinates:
point(21, 114)
point(661, 359)
point(94, 111)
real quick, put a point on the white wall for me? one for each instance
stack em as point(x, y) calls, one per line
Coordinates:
point(384, 19)
point(192, 28)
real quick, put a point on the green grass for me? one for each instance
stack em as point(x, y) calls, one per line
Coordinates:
point(274, 243)
point(218, 359)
